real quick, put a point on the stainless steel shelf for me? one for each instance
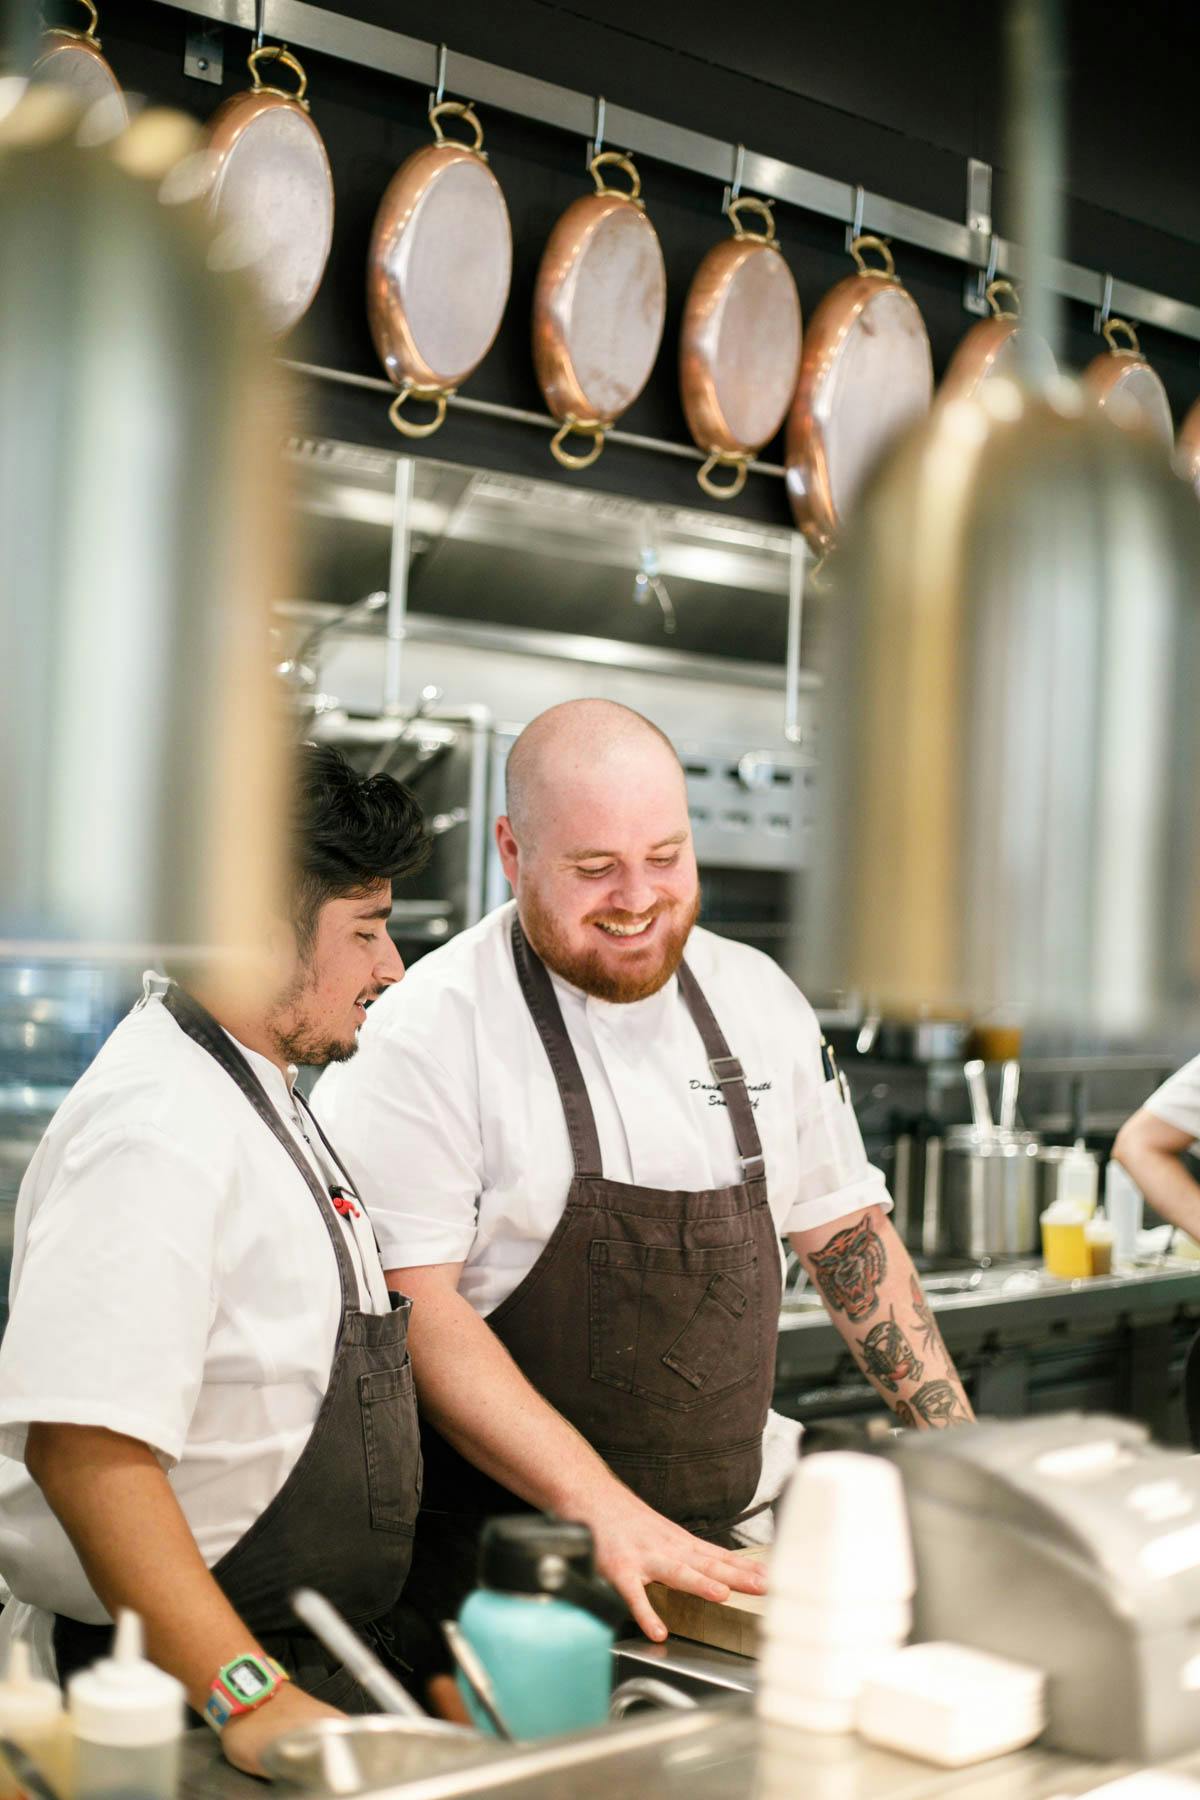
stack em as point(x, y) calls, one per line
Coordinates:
point(414, 59)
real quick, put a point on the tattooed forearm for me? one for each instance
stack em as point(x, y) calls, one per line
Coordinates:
point(850, 1269)
point(888, 1357)
point(927, 1325)
point(940, 1403)
point(871, 1291)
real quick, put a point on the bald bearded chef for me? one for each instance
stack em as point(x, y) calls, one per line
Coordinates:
point(580, 1151)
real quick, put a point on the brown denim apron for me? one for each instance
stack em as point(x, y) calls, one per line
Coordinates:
point(649, 1321)
point(343, 1521)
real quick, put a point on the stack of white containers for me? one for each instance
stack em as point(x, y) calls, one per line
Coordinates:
point(842, 1581)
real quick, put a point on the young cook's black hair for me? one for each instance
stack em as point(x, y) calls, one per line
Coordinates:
point(349, 832)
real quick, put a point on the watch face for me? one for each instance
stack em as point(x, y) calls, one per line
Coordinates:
point(247, 1678)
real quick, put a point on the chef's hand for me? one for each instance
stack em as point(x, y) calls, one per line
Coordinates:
point(636, 1545)
point(244, 1739)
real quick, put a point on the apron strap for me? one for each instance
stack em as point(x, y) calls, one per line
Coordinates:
point(339, 1165)
point(542, 1002)
point(728, 1074)
point(204, 1030)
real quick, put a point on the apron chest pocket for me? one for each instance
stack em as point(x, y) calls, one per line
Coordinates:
point(391, 1441)
point(677, 1327)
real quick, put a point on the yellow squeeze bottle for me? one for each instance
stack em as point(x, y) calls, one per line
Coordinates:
point(31, 1714)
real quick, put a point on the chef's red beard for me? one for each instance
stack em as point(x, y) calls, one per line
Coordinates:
point(587, 969)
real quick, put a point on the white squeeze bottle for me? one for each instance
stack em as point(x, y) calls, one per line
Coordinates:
point(31, 1714)
point(127, 1718)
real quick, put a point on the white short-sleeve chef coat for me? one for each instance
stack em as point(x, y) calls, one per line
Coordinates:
point(452, 1127)
point(1177, 1101)
point(172, 1280)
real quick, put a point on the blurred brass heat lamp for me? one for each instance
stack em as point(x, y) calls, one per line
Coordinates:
point(1012, 724)
point(140, 520)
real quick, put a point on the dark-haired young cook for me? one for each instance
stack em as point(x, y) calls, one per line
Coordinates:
point(205, 1393)
point(582, 1129)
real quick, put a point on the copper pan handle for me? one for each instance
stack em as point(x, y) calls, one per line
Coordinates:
point(93, 25)
point(721, 459)
point(410, 427)
point(585, 427)
point(613, 159)
point(281, 54)
point(991, 293)
point(868, 241)
point(751, 203)
point(1112, 328)
point(456, 109)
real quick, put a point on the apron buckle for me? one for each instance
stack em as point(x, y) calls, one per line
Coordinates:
point(726, 1069)
point(760, 1159)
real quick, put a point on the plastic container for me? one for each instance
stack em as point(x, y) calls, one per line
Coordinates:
point(842, 1534)
point(31, 1714)
point(1079, 1177)
point(842, 1579)
point(543, 1626)
point(1064, 1246)
point(1123, 1204)
point(952, 1705)
point(1099, 1237)
point(127, 1719)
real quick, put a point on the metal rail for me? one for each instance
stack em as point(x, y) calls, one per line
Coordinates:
point(413, 59)
point(518, 415)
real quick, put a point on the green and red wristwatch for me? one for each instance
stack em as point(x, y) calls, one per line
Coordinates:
point(242, 1686)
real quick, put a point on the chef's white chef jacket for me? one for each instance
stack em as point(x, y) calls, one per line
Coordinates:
point(1177, 1101)
point(172, 1280)
point(452, 1127)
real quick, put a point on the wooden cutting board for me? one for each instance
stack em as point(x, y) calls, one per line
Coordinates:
point(731, 1626)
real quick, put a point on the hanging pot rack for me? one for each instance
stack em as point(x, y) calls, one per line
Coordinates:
point(971, 242)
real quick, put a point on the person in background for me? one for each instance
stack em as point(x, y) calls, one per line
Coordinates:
point(205, 1393)
point(580, 1151)
point(1151, 1144)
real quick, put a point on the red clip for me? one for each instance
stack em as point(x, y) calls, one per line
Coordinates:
point(342, 1205)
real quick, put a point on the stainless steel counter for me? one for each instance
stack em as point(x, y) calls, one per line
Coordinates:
point(718, 1753)
point(1024, 1342)
point(1019, 1285)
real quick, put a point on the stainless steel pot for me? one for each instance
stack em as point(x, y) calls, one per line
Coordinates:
point(989, 1198)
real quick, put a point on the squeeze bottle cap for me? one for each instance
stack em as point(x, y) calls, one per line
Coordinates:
point(124, 1699)
point(27, 1704)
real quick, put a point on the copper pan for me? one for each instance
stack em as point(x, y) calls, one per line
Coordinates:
point(990, 348)
point(739, 349)
point(598, 309)
point(438, 269)
point(73, 59)
point(865, 374)
point(1126, 387)
point(1188, 449)
point(271, 189)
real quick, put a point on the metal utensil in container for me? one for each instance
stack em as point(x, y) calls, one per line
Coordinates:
point(981, 1107)
point(342, 1641)
point(271, 189)
point(865, 374)
point(739, 347)
point(598, 309)
point(438, 268)
point(1124, 385)
point(354, 1755)
point(989, 1192)
point(73, 59)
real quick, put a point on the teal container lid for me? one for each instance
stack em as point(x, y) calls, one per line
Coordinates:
point(535, 1553)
